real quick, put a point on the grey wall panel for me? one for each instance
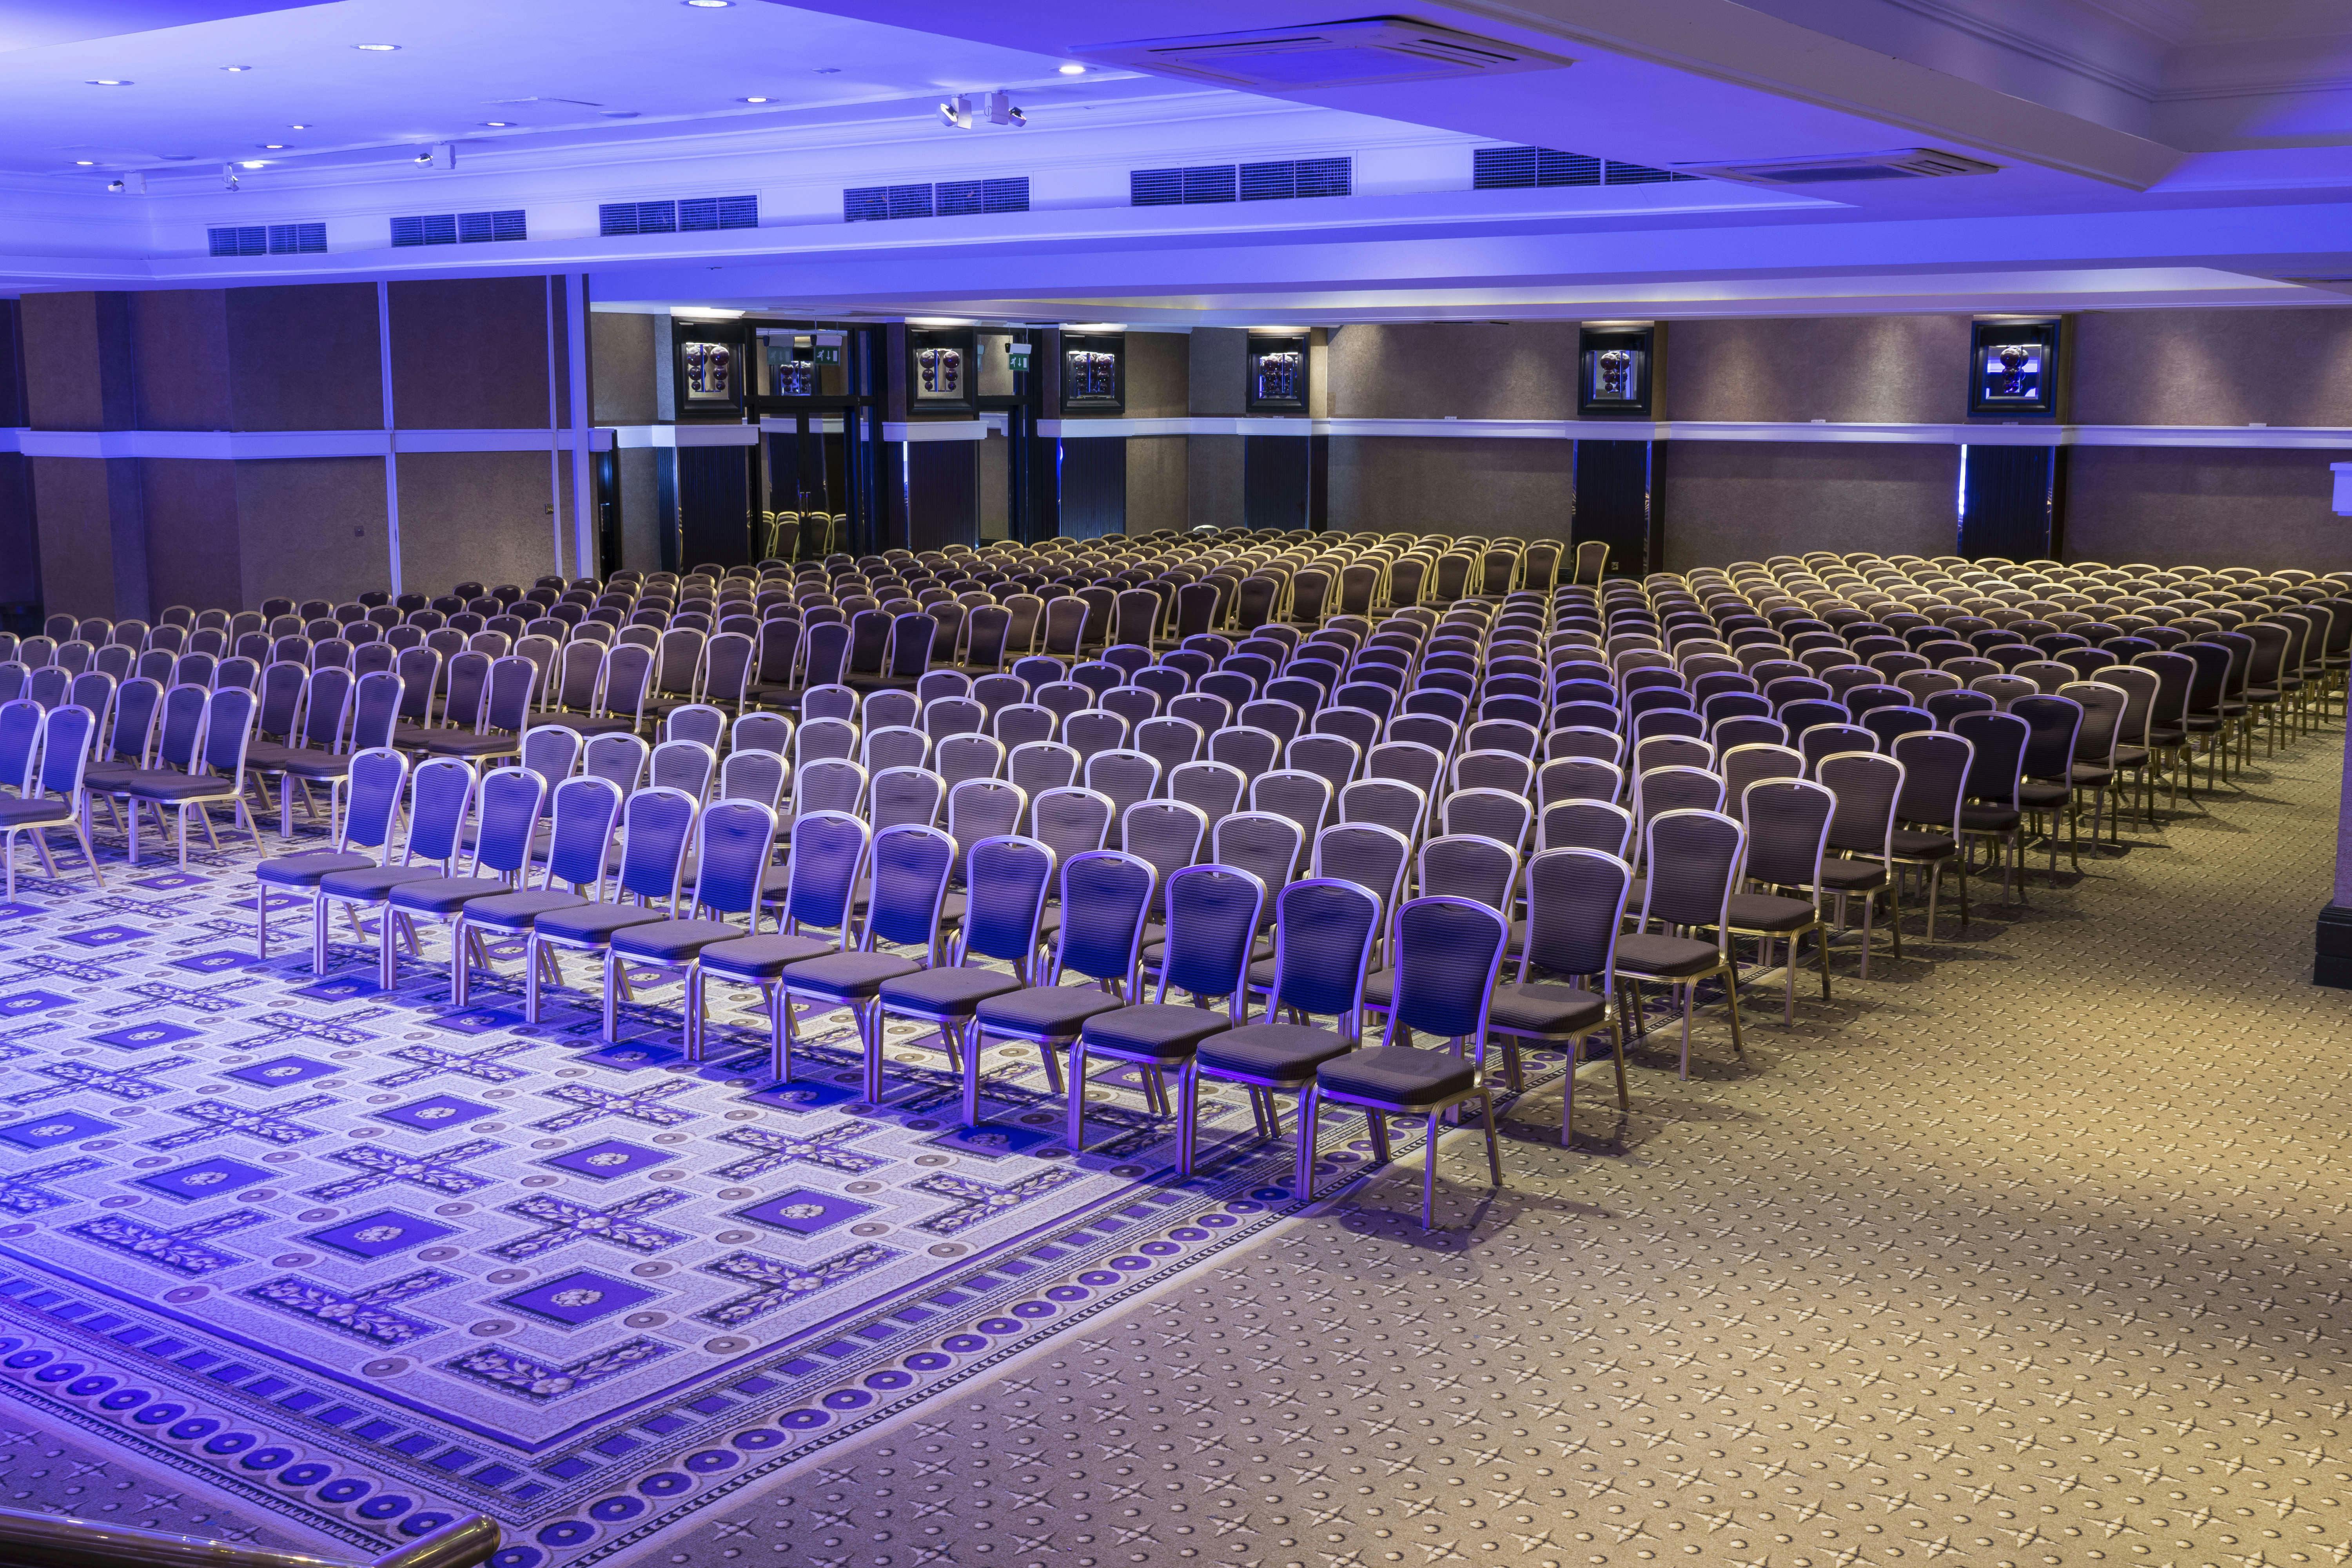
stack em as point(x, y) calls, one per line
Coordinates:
point(78, 369)
point(2213, 367)
point(193, 548)
point(1213, 477)
point(942, 497)
point(1093, 487)
point(621, 348)
point(92, 536)
point(1214, 378)
point(306, 357)
point(2199, 507)
point(20, 541)
point(481, 516)
point(1418, 484)
point(179, 348)
point(313, 527)
point(1158, 374)
point(641, 518)
point(1743, 500)
point(995, 487)
point(470, 353)
point(1156, 489)
point(1471, 370)
point(1863, 369)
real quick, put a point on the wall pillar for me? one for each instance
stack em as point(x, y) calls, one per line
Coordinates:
point(2332, 962)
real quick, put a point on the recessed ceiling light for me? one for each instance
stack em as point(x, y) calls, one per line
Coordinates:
point(377, 48)
point(498, 124)
point(253, 163)
point(298, 128)
point(273, 146)
point(107, 81)
point(85, 162)
point(1074, 69)
point(750, 101)
point(828, 71)
point(236, 68)
point(710, 4)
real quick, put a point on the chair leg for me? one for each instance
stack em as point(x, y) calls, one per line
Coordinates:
point(1377, 1124)
point(387, 972)
point(1617, 1050)
point(1731, 999)
point(260, 906)
point(969, 1057)
point(1690, 994)
point(1077, 1118)
point(1568, 1090)
point(1304, 1178)
point(1188, 1092)
point(1494, 1148)
point(780, 1028)
point(1429, 1173)
point(530, 953)
point(612, 996)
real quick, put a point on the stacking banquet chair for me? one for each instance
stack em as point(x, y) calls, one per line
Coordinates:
point(1104, 893)
point(910, 864)
point(732, 841)
point(586, 810)
point(1927, 815)
point(1212, 914)
point(1448, 952)
point(821, 895)
point(1567, 968)
point(509, 801)
point(1693, 860)
point(656, 824)
point(440, 794)
point(1868, 788)
point(1788, 823)
point(51, 794)
point(376, 777)
point(1006, 879)
point(212, 774)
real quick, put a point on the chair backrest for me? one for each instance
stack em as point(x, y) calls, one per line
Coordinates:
point(1071, 820)
point(511, 801)
point(1166, 833)
point(910, 879)
point(374, 784)
point(180, 739)
point(1104, 893)
point(1213, 912)
point(1467, 865)
point(1694, 859)
point(580, 840)
point(1446, 953)
point(1263, 843)
point(1585, 825)
point(1007, 878)
point(440, 793)
point(1934, 777)
point(1788, 823)
point(1324, 930)
point(732, 840)
point(1576, 907)
point(687, 765)
point(657, 827)
point(2053, 723)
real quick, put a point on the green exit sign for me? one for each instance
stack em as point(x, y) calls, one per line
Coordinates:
point(1016, 357)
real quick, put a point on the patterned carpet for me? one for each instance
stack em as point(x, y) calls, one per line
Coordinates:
point(359, 1262)
point(2028, 1252)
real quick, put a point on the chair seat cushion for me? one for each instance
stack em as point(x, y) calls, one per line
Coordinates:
point(1665, 957)
point(1261, 949)
point(1397, 1075)
point(269, 756)
point(1770, 913)
point(460, 743)
point(108, 774)
point(581, 723)
point(160, 784)
point(952, 990)
point(847, 974)
point(2131, 756)
point(1978, 818)
point(313, 765)
point(1155, 1029)
point(307, 870)
point(1052, 1011)
point(1547, 1007)
point(26, 813)
point(2034, 793)
point(1852, 876)
point(2090, 775)
point(444, 895)
point(373, 881)
point(763, 957)
point(671, 941)
point(1273, 1050)
point(593, 923)
point(518, 910)
point(1918, 844)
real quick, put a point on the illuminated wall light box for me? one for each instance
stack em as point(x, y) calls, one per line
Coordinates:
point(2017, 368)
point(1616, 368)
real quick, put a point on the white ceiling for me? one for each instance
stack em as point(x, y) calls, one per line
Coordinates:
point(2149, 152)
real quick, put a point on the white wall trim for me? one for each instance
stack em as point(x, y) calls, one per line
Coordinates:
point(244, 445)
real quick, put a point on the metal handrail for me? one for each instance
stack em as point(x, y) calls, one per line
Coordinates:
point(53, 1541)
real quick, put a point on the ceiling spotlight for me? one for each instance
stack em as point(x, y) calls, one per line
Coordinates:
point(422, 159)
point(232, 69)
point(968, 110)
point(133, 185)
point(254, 164)
point(499, 124)
point(710, 4)
point(107, 81)
point(1074, 69)
point(750, 101)
point(85, 162)
point(228, 175)
point(273, 146)
point(377, 48)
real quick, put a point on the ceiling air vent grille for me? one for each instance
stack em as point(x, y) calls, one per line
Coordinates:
point(1340, 54)
point(1524, 168)
point(691, 216)
point(458, 228)
point(1905, 163)
point(1280, 180)
point(948, 198)
point(268, 239)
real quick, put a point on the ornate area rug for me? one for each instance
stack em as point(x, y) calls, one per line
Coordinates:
point(370, 1262)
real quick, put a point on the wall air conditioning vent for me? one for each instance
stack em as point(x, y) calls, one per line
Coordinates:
point(946, 198)
point(688, 215)
point(1339, 53)
point(1905, 163)
point(458, 228)
point(1280, 180)
point(1525, 168)
point(268, 239)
